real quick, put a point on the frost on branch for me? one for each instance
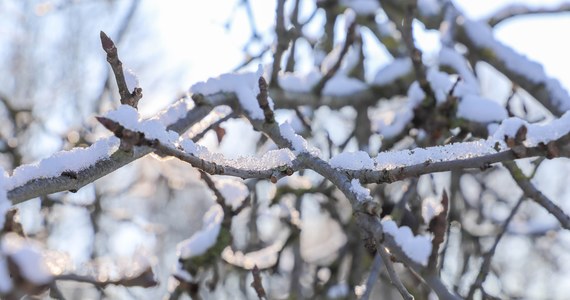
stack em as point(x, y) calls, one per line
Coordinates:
point(298, 143)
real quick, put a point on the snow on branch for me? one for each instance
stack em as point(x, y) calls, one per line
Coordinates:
point(125, 124)
point(64, 163)
point(550, 140)
point(22, 266)
point(530, 75)
point(204, 238)
point(417, 248)
point(245, 86)
point(517, 10)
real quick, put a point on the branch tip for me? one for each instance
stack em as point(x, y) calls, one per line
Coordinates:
point(106, 42)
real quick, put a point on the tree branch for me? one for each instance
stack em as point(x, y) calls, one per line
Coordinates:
point(392, 273)
point(127, 97)
point(533, 193)
point(518, 10)
point(486, 264)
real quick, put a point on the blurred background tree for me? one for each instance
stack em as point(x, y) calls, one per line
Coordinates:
point(55, 79)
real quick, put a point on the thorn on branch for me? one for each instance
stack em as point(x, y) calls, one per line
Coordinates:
point(263, 99)
point(127, 97)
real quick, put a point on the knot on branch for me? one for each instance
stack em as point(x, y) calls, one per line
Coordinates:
point(280, 173)
point(199, 99)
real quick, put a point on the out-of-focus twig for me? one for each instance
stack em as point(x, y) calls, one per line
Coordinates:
point(372, 277)
point(348, 41)
point(257, 285)
point(282, 42)
point(486, 264)
point(518, 10)
point(533, 193)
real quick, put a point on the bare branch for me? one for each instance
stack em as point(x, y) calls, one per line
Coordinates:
point(127, 97)
point(372, 277)
point(486, 265)
point(392, 273)
point(263, 100)
point(256, 284)
point(348, 41)
point(533, 193)
point(282, 43)
point(438, 226)
point(144, 279)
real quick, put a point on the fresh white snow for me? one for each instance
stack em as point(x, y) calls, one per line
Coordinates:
point(244, 85)
point(27, 257)
point(271, 159)
point(397, 68)
point(128, 117)
point(233, 190)
point(362, 193)
point(131, 79)
point(74, 160)
point(431, 207)
point(482, 35)
point(352, 161)
point(479, 109)
point(204, 238)
point(417, 248)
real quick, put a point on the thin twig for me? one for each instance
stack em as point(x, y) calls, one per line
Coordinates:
point(282, 43)
point(486, 265)
point(392, 273)
point(512, 11)
point(533, 193)
point(256, 284)
point(414, 52)
point(263, 100)
point(348, 41)
point(127, 97)
point(121, 33)
point(373, 276)
point(481, 162)
point(144, 279)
